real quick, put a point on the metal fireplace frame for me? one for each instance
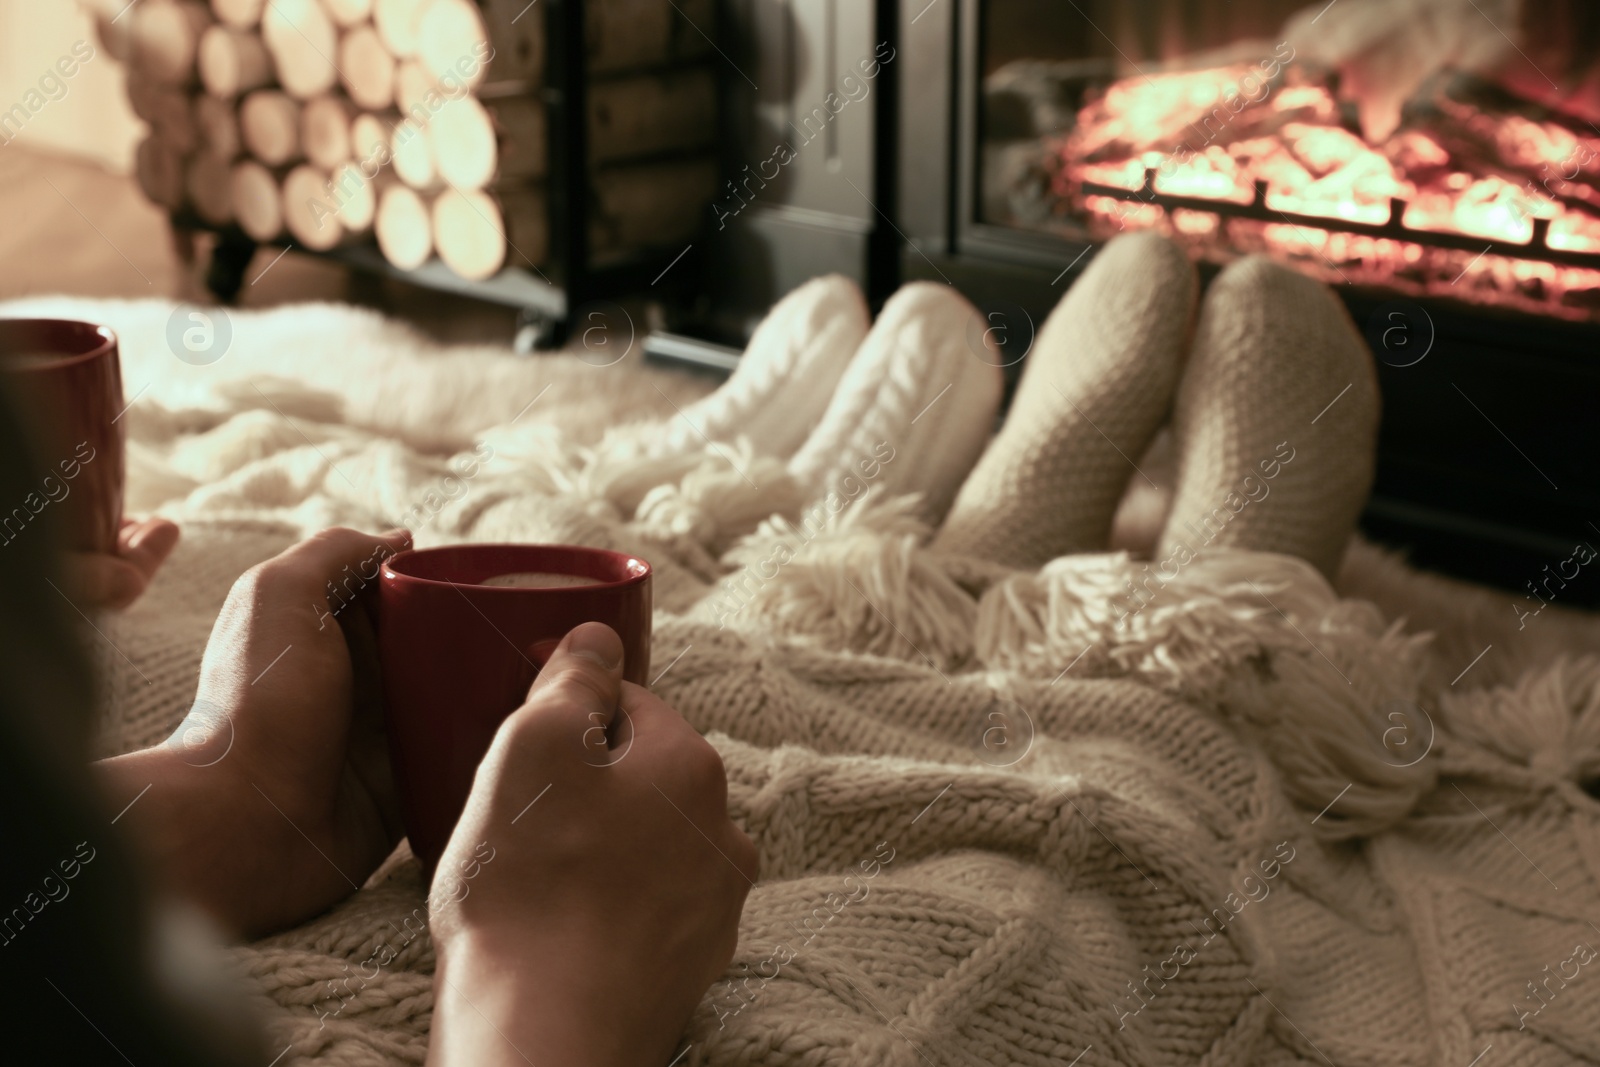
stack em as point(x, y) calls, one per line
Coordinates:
point(997, 266)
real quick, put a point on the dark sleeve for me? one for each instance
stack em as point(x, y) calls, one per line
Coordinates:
point(85, 966)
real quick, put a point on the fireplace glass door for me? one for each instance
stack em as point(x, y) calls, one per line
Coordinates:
point(1365, 143)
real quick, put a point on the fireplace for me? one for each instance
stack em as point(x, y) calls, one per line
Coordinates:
point(1476, 195)
point(1460, 223)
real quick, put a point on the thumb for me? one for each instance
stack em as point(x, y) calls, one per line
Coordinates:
point(583, 676)
point(102, 581)
point(147, 544)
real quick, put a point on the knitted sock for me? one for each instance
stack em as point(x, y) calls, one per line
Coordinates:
point(787, 374)
point(1097, 384)
point(913, 410)
point(1276, 421)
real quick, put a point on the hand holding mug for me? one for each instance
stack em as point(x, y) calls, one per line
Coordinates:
point(66, 377)
point(604, 896)
point(283, 750)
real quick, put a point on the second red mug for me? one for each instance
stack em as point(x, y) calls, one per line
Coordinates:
point(67, 381)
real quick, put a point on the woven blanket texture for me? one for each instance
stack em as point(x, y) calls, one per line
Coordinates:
point(1260, 820)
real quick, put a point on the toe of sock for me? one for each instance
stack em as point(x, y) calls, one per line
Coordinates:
point(1098, 382)
point(918, 385)
point(788, 372)
point(1276, 417)
point(1141, 269)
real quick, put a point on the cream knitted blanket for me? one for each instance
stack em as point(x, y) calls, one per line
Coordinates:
point(1258, 821)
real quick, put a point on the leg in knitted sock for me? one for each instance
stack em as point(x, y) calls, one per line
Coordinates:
point(787, 374)
point(915, 397)
point(1276, 421)
point(1097, 385)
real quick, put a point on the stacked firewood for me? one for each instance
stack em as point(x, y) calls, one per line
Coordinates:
point(419, 123)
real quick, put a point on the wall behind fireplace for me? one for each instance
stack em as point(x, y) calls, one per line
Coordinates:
point(808, 150)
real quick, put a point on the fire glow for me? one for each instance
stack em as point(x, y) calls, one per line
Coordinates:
point(1453, 169)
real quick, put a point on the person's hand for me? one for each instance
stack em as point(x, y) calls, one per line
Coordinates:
point(274, 798)
point(592, 890)
point(116, 580)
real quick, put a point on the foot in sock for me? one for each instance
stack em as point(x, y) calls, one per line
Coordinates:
point(786, 377)
point(915, 406)
point(1097, 385)
point(1275, 421)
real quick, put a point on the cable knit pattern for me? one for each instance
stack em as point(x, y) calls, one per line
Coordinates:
point(1096, 386)
point(786, 377)
point(1047, 835)
point(926, 385)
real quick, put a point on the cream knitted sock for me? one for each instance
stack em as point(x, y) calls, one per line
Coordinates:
point(1097, 384)
point(787, 374)
point(1276, 421)
point(914, 408)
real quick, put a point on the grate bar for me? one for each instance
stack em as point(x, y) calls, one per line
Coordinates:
point(1536, 248)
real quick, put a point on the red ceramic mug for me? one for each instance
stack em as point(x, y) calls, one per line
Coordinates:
point(458, 656)
point(66, 380)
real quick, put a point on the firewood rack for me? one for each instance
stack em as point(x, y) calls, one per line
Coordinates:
point(545, 299)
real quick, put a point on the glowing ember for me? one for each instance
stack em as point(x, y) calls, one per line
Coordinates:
point(1459, 169)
